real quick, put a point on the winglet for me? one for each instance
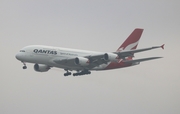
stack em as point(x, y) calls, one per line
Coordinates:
point(162, 46)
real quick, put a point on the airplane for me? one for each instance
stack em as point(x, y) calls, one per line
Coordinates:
point(82, 61)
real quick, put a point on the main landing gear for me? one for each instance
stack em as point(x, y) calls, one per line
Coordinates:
point(84, 72)
point(67, 73)
point(24, 67)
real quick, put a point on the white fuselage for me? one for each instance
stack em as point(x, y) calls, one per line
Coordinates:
point(46, 55)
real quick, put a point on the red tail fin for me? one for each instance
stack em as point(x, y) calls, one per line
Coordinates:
point(132, 41)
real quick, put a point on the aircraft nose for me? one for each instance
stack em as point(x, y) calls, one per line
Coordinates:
point(18, 56)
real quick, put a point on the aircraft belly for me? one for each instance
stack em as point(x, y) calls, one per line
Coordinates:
point(74, 67)
point(101, 67)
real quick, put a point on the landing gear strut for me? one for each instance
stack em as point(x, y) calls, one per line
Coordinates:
point(67, 73)
point(24, 67)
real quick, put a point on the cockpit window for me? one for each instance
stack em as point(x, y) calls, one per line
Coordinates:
point(22, 50)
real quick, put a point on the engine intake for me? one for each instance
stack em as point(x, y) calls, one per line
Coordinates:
point(111, 57)
point(81, 61)
point(41, 68)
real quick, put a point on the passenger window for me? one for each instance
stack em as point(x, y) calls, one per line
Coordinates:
point(22, 50)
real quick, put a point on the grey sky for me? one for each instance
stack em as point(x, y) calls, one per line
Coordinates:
point(100, 25)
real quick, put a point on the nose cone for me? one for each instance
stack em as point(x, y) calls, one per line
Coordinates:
point(18, 56)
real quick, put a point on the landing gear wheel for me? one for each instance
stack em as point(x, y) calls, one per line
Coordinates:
point(85, 72)
point(24, 67)
point(67, 74)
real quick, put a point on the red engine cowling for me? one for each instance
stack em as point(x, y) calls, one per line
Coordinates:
point(41, 68)
point(81, 61)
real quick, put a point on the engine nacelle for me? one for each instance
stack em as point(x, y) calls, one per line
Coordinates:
point(41, 68)
point(81, 61)
point(111, 57)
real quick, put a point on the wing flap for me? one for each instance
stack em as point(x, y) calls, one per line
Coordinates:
point(141, 60)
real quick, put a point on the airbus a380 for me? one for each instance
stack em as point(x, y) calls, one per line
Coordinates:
point(81, 61)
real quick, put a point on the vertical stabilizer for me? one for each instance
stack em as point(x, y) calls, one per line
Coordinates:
point(132, 41)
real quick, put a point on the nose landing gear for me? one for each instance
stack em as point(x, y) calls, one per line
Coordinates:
point(24, 67)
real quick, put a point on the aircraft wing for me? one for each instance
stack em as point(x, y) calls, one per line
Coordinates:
point(98, 59)
point(126, 53)
point(94, 60)
point(141, 60)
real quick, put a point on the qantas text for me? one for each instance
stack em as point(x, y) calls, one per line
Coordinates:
point(45, 51)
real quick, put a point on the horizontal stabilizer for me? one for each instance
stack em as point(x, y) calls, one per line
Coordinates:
point(141, 60)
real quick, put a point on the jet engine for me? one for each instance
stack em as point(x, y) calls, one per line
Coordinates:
point(81, 61)
point(111, 57)
point(41, 68)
